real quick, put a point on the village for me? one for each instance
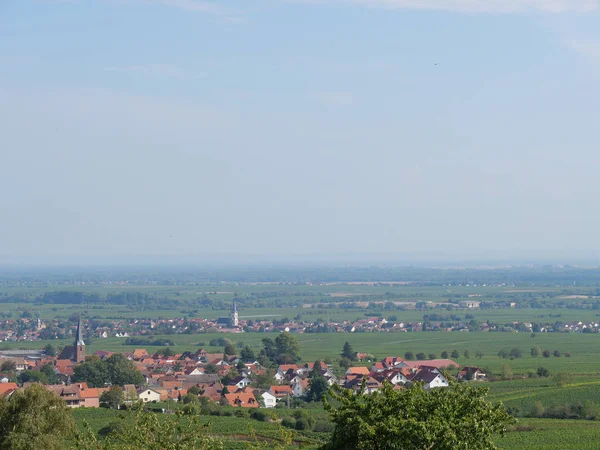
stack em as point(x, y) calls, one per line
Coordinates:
point(26, 329)
point(228, 380)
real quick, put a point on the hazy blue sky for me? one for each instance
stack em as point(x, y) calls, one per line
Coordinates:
point(133, 127)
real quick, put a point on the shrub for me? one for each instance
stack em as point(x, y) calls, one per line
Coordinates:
point(515, 353)
point(302, 424)
point(241, 412)
point(546, 353)
point(324, 426)
point(288, 422)
point(259, 415)
point(543, 372)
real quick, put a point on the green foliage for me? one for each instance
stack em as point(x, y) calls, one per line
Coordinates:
point(50, 350)
point(284, 350)
point(347, 351)
point(34, 418)
point(543, 372)
point(113, 397)
point(51, 375)
point(229, 350)
point(32, 376)
point(115, 370)
point(455, 354)
point(345, 363)
point(8, 366)
point(317, 383)
point(144, 430)
point(247, 354)
point(535, 351)
point(442, 419)
point(409, 356)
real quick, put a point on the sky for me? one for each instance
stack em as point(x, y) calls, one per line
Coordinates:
point(294, 127)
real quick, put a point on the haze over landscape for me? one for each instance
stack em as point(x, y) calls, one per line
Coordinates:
point(434, 129)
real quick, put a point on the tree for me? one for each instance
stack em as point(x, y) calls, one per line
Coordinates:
point(284, 350)
point(479, 354)
point(432, 356)
point(455, 354)
point(247, 354)
point(546, 353)
point(347, 351)
point(94, 372)
point(506, 372)
point(444, 419)
point(537, 410)
point(445, 354)
point(317, 383)
point(32, 376)
point(51, 375)
point(8, 366)
point(556, 353)
point(420, 356)
point(50, 350)
point(166, 352)
point(113, 398)
point(543, 372)
point(34, 418)
point(345, 363)
point(211, 369)
point(515, 352)
point(194, 390)
point(561, 379)
point(503, 354)
point(117, 369)
point(467, 354)
point(229, 350)
point(409, 356)
point(535, 351)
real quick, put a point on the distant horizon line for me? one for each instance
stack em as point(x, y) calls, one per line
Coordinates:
point(420, 258)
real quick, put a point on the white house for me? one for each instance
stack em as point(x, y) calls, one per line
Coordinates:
point(148, 395)
point(299, 388)
point(269, 400)
point(430, 380)
point(240, 382)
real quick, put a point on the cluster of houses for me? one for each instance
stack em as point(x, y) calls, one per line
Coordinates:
point(28, 329)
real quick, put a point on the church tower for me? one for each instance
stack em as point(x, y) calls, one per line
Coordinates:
point(79, 346)
point(234, 321)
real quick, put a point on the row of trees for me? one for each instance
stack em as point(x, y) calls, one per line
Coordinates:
point(535, 352)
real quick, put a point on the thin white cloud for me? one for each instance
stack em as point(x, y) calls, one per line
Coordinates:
point(479, 6)
point(585, 47)
point(214, 7)
point(192, 5)
point(336, 98)
point(162, 70)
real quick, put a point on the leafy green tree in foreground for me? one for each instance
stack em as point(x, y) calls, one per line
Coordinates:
point(453, 418)
point(33, 419)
